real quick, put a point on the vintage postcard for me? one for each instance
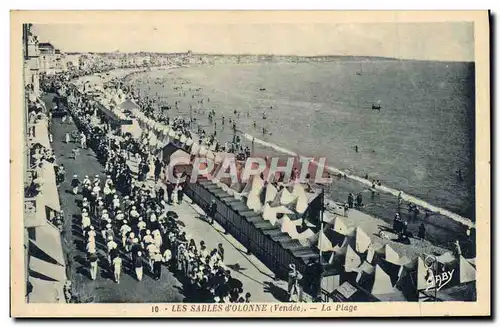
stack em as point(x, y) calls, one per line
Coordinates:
point(250, 164)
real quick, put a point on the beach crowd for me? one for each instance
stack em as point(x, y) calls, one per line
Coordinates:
point(128, 218)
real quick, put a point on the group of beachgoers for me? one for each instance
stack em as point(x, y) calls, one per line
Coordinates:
point(129, 218)
point(155, 108)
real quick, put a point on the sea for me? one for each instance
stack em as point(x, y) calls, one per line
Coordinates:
point(418, 142)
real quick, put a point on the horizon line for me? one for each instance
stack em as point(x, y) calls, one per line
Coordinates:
point(270, 55)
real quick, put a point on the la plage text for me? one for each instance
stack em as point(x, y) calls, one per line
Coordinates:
point(292, 307)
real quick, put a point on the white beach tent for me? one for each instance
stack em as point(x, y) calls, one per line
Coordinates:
point(269, 214)
point(377, 251)
point(289, 227)
point(248, 186)
point(257, 185)
point(301, 198)
point(364, 270)
point(283, 197)
point(253, 201)
point(467, 271)
point(362, 240)
point(352, 260)
point(321, 241)
point(305, 236)
point(271, 192)
point(338, 224)
point(382, 282)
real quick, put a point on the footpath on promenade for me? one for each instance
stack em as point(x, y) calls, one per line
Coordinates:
point(256, 278)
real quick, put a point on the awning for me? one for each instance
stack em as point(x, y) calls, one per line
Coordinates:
point(47, 245)
point(40, 269)
point(42, 134)
point(46, 291)
point(49, 194)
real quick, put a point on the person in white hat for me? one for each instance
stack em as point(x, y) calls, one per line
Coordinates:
point(86, 180)
point(157, 260)
point(124, 230)
point(111, 245)
point(75, 182)
point(96, 189)
point(83, 141)
point(293, 283)
point(133, 212)
point(108, 231)
point(138, 265)
point(85, 204)
point(151, 251)
point(91, 247)
point(141, 225)
point(86, 222)
point(157, 239)
point(93, 265)
point(116, 202)
point(119, 217)
point(91, 234)
point(148, 238)
point(117, 268)
point(108, 181)
point(106, 191)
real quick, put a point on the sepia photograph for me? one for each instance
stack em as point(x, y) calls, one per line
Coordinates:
point(250, 164)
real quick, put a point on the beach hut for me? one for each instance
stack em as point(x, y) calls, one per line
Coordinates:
point(362, 240)
point(382, 283)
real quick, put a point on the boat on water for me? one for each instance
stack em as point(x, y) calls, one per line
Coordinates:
point(376, 106)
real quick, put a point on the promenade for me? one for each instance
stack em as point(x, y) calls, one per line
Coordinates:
point(256, 278)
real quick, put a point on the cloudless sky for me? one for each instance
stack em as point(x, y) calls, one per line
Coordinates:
point(446, 41)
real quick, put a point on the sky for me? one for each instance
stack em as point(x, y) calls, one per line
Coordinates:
point(445, 41)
